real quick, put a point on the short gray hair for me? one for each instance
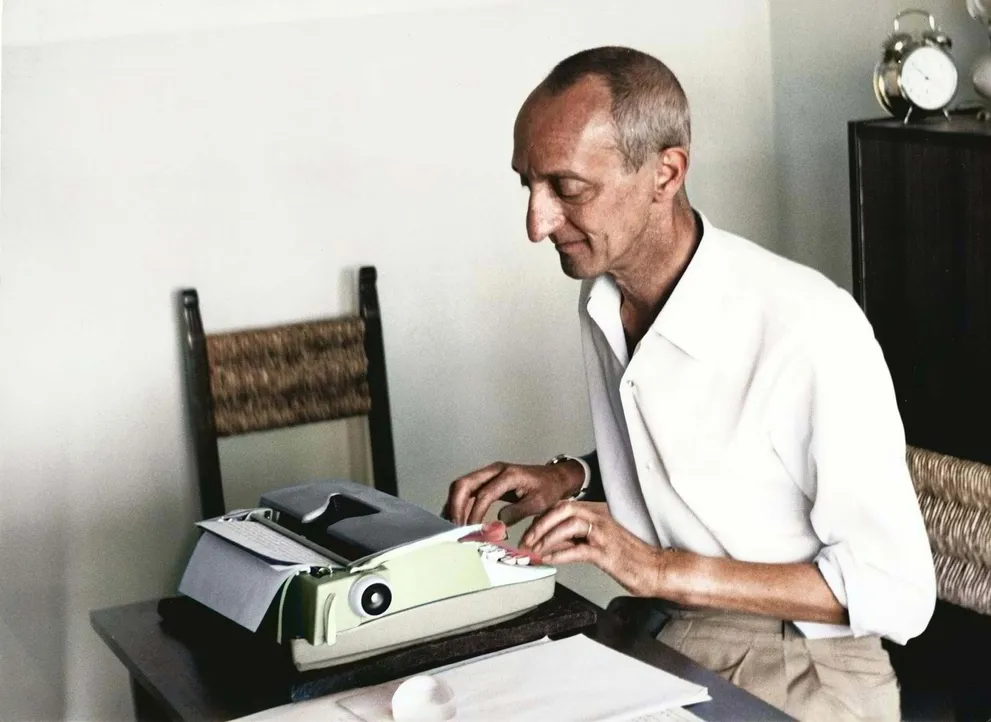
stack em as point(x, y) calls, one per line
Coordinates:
point(649, 106)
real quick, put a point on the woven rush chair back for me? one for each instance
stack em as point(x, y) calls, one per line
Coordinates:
point(273, 377)
point(955, 498)
point(270, 378)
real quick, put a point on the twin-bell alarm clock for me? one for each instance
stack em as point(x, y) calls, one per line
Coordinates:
point(917, 73)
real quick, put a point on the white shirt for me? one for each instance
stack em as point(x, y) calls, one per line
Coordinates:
point(757, 421)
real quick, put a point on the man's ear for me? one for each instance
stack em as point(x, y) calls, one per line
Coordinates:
point(669, 173)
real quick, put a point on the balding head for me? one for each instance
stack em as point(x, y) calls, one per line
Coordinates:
point(601, 144)
point(649, 108)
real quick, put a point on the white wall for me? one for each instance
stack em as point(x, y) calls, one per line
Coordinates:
point(260, 152)
point(824, 55)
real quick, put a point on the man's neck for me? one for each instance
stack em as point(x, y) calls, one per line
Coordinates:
point(651, 280)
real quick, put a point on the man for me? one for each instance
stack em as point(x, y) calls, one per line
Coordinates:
point(749, 469)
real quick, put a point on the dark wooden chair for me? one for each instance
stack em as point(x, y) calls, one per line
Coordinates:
point(273, 377)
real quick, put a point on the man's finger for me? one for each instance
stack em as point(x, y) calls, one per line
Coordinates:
point(489, 494)
point(570, 529)
point(493, 531)
point(528, 506)
point(463, 491)
point(547, 521)
point(575, 554)
point(558, 547)
point(466, 512)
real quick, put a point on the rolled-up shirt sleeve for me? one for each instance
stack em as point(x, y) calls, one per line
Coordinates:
point(837, 413)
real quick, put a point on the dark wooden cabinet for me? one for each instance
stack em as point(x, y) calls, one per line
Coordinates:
point(921, 212)
point(922, 271)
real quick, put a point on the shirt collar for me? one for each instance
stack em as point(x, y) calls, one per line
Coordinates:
point(691, 316)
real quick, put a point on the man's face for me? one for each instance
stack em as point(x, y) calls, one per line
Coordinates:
point(581, 196)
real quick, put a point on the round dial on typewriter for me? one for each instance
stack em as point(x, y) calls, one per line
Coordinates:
point(370, 596)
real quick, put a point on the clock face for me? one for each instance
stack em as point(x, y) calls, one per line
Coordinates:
point(928, 78)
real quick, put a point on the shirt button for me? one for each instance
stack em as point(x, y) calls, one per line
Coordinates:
point(629, 383)
point(648, 466)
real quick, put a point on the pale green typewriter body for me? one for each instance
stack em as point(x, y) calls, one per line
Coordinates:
point(364, 572)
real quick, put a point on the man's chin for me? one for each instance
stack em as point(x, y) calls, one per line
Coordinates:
point(575, 269)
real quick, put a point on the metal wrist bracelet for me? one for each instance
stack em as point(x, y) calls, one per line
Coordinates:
point(588, 473)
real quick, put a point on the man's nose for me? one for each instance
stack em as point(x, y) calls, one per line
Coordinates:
point(543, 215)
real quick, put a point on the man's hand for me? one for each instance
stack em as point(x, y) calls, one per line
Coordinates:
point(585, 532)
point(575, 531)
point(530, 489)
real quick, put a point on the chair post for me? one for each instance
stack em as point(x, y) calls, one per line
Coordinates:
point(197, 372)
point(380, 416)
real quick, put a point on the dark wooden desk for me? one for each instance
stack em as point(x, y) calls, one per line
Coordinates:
point(167, 683)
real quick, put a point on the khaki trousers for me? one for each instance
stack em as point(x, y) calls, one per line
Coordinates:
point(842, 678)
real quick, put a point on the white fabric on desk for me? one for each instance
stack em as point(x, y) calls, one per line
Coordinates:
point(757, 420)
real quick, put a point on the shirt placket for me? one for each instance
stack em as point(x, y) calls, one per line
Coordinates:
point(644, 455)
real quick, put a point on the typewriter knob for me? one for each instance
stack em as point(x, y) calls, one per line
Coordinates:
point(370, 596)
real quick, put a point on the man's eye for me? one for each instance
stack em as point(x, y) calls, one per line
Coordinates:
point(569, 188)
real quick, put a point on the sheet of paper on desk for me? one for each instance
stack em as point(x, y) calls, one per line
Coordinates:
point(266, 542)
point(233, 581)
point(678, 714)
point(570, 679)
point(327, 709)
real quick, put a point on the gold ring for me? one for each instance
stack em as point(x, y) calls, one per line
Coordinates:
point(589, 532)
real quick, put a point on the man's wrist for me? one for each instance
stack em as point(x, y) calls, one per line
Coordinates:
point(576, 489)
point(682, 577)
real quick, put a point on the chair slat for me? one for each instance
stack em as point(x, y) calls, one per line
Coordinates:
point(963, 583)
point(966, 482)
point(957, 530)
point(272, 412)
point(288, 375)
point(955, 499)
point(275, 375)
point(285, 341)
